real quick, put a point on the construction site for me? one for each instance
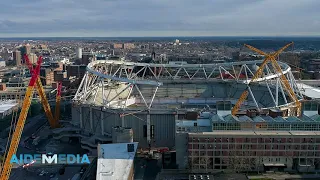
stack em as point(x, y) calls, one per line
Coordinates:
point(31, 136)
point(237, 116)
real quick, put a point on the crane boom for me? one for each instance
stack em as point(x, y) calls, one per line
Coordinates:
point(7, 166)
point(265, 54)
point(258, 73)
point(42, 95)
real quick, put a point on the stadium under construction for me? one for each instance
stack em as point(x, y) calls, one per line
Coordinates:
point(150, 98)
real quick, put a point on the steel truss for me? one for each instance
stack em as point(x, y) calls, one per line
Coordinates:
point(111, 83)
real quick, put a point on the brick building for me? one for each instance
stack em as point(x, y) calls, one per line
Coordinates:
point(252, 151)
point(117, 46)
point(251, 142)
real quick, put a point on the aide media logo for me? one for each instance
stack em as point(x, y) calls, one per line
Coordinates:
point(50, 159)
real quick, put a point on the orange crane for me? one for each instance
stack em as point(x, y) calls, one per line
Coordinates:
point(258, 74)
point(7, 166)
point(44, 101)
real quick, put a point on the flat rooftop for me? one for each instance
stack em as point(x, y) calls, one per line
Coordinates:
point(6, 105)
point(309, 91)
point(263, 119)
point(259, 133)
point(114, 161)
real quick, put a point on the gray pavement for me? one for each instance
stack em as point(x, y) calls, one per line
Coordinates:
point(33, 173)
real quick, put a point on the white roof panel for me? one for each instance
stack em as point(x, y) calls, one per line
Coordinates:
point(309, 91)
point(114, 161)
point(6, 105)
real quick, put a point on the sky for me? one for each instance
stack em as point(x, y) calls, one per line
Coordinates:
point(128, 18)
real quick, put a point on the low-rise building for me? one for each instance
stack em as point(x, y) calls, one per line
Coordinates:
point(251, 142)
point(253, 151)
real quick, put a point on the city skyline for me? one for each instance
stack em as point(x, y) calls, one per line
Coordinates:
point(113, 18)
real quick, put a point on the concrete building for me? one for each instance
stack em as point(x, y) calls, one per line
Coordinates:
point(122, 135)
point(6, 107)
point(17, 57)
point(2, 63)
point(87, 57)
point(48, 75)
point(27, 48)
point(115, 161)
point(33, 58)
point(59, 75)
point(76, 70)
point(128, 46)
point(79, 53)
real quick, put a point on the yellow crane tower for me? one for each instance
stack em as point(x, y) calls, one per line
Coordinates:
point(258, 74)
point(7, 166)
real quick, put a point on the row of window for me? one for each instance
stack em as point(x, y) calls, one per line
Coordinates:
point(200, 154)
point(255, 147)
point(268, 126)
point(254, 140)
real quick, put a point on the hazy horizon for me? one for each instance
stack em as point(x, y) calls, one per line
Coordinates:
point(231, 36)
point(149, 18)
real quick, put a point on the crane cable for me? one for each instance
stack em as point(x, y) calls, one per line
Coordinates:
point(14, 119)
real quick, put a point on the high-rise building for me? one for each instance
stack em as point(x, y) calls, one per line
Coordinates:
point(17, 57)
point(79, 53)
point(87, 57)
point(33, 58)
point(26, 49)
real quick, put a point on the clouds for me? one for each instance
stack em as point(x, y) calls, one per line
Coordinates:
point(158, 17)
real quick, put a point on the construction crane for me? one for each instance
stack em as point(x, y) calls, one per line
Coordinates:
point(7, 166)
point(259, 72)
point(44, 101)
point(58, 99)
point(284, 81)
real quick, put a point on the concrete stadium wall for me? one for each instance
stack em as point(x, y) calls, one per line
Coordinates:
point(164, 125)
